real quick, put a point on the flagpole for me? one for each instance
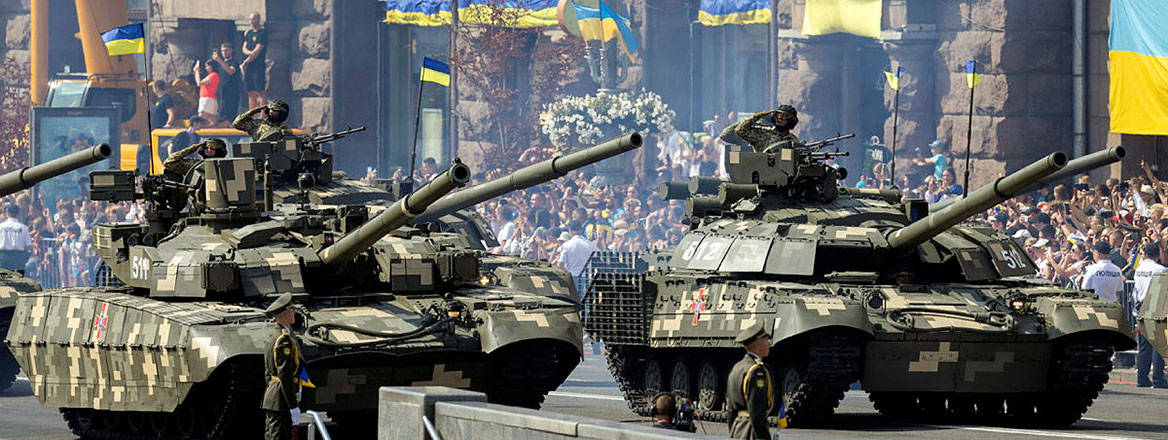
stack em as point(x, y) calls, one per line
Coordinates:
point(417, 122)
point(969, 130)
point(895, 120)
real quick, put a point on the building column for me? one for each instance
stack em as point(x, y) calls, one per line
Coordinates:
point(813, 86)
point(917, 122)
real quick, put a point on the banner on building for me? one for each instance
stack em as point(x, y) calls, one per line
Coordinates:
point(720, 12)
point(1138, 61)
point(507, 13)
point(856, 17)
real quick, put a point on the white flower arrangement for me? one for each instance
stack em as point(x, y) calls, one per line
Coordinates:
point(594, 118)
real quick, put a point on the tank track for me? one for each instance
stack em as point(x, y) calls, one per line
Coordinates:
point(525, 376)
point(620, 360)
point(1079, 370)
point(230, 397)
point(832, 364)
point(8, 366)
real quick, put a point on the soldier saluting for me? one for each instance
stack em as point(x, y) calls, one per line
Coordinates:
point(763, 129)
point(282, 366)
point(270, 127)
point(749, 393)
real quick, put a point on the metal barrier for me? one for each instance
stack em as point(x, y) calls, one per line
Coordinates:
point(430, 428)
point(318, 424)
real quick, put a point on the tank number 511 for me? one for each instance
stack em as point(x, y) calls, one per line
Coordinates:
point(139, 268)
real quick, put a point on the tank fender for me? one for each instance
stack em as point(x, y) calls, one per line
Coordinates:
point(502, 327)
point(797, 315)
point(1068, 316)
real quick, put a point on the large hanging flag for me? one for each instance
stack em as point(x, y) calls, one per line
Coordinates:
point(856, 17)
point(720, 12)
point(1138, 62)
point(894, 78)
point(621, 26)
point(435, 71)
point(125, 40)
point(506, 13)
point(971, 76)
point(588, 20)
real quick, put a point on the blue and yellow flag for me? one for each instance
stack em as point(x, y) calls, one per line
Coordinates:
point(1138, 63)
point(435, 71)
point(782, 418)
point(856, 17)
point(894, 78)
point(302, 377)
point(720, 12)
point(1134, 261)
point(125, 40)
point(971, 76)
point(515, 13)
point(588, 19)
point(614, 23)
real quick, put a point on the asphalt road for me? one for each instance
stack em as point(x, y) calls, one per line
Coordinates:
point(1122, 412)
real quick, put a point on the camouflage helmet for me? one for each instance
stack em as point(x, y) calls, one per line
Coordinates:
point(277, 111)
point(790, 113)
point(216, 145)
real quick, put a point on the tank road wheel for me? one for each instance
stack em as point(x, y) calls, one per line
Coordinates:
point(989, 406)
point(83, 422)
point(814, 381)
point(1079, 371)
point(893, 404)
point(623, 363)
point(653, 377)
point(680, 381)
point(1020, 408)
point(710, 391)
point(961, 407)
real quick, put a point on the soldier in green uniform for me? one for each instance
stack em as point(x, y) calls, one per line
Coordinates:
point(270, 127)
point(282, 366)
point(178, 164)
point(749, 393)
point(763, 129)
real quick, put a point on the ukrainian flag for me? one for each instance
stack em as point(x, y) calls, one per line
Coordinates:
point(418, 12)
point(1138, 62)
point(720, 12)
point(614, 23)
point(303, 379)
point(971, 76)
point(856, 17)
point(525, 13)
point(588, 19)
point(125, 40)
point(894, 78)
point(435, 71)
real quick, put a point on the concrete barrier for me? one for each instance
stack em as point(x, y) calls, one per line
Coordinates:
point(465, 415)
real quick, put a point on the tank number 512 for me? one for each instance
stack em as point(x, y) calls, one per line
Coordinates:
point(139, 268)
point(1013, 259)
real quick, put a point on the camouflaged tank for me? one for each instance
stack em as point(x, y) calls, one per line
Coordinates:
point(1152, 320)
point(936, 318)
point(14, 283)
point(173, 348)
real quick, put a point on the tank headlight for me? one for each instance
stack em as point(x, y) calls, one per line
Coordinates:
point(1018, 305)
point(488, 280)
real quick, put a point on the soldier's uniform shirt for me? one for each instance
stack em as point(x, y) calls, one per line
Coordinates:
point(281, 365)
point(178, 164)
point(756, 137)
point(1104, 278)
point(260, 129)
point(749, 398)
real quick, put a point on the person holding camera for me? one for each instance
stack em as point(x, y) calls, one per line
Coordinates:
point(664, 412)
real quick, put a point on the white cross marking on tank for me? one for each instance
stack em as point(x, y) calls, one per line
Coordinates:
point(824, 307)
point(441, 377)
point(1083, 311)
point(930, 360)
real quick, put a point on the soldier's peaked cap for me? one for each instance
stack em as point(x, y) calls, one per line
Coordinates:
point(277, 306)
point(751, 334)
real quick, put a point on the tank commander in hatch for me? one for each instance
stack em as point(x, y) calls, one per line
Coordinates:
point(270, 127)
point(178, 164)
point(763, 129)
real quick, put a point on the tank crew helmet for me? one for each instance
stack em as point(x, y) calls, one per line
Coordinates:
point(788, 113)
point(277, 111)
point(213, 148)
point(751, 334)
point(279, 305)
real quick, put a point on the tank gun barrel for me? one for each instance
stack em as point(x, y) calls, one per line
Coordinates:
point(1075, 166)
point(395, 216)
point(532, 175)
point(25, 178)
point(1001, 189)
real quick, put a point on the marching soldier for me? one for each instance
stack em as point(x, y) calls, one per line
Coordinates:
point(282, 366)
point(270, 127)
point(749, 392)
point(763, 129)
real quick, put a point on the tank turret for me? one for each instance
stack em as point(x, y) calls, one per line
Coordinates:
point(25, 178)
point(980, 200)
point(532, 175)
point(395, 216)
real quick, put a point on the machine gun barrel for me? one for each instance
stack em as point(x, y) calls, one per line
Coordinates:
point(1000, 190)
point(820, 144)
point(532, 175)
point(395, 216)
point(326, 138)
point(1075, 166)
point(25, 178)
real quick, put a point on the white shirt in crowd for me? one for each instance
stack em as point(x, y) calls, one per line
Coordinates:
point(1143, 277)
point(574, 254)
point(14, 236)
point(1104, 278)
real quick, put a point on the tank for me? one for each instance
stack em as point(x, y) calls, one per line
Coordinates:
point(1152, 320)
point(173, 347)
point(14, 283)
point(937, 318)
